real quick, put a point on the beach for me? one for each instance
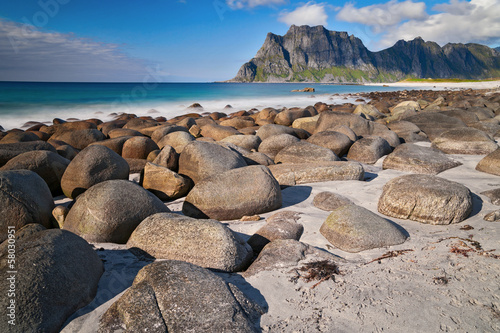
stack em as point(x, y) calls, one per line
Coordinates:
point(248, 170)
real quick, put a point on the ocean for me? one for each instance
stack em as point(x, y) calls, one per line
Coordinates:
point(21, 102)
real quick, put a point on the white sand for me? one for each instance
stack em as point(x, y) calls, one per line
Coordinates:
point(398, 294)
point(442, 85)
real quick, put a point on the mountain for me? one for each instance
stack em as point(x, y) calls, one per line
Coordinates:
point(315, 54)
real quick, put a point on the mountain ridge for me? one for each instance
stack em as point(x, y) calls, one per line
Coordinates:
point(315, 54)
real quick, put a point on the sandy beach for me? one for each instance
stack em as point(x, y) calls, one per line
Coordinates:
point(442, 85)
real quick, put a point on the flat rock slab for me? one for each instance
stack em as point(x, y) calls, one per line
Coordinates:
point(329, 201)
point(207, 243)
point(417, 159)
point(292, 174)
point(425, 198)
point(353, 229)
point(176, 296)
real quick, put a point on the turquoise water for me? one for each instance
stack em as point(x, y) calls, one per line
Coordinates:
point(36, 101)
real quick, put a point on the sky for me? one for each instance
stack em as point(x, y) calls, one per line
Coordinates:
point(207, 40)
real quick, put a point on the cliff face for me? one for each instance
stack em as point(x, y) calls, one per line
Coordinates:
point(314, 54)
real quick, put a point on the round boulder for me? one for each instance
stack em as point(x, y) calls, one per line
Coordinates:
point(490, 163)
point(206, 243)
point(337, 142)
point(111, 210)
point(369, 149)
point(272, 145)
point(330, 201)
point(465, 141)
point(233, 194)
point(305, 152)
point(138, 147)
point(425, 198)
point(92, 165)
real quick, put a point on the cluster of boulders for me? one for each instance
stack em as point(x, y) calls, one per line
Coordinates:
point(228, 167)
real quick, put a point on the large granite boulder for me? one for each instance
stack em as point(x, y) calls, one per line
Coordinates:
point(353, 228)
point(305, 152)
point(178, 140)
point(433, 124)
point(15, 137)
point(233, 194)
point(111, 210)
point(58, 273)
point(337, 142)
point(245, 141)
point(417, 159)
point(91, 166)
point(200, 160)
point(369, 149)
point(329, 119)
point(272, 145)
point(48, 165)
point(269, 130)
point(490, 163)
point(293, 174)
point(206, 243)
point(79, 139)
point(217, 132)
point(24, 198)
point(11, 150)
point(425, 198)
point(465, 141)
point(176, 296)
point(138, 147)
point(168, 158)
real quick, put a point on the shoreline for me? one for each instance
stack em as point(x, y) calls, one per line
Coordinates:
point(446, 85)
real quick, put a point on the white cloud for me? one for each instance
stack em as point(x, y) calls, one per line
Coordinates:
point(382, 15)
point(308, 14)
point(239, 4)
point(456, 21)
point(30, 54)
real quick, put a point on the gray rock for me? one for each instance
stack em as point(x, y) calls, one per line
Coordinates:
point(425, 198)
point(433, 124)
point(91, 166)
point(245, 141)
point(206, 243)
point(329, 119)
point(115, 144)
point(271, 146)
point(138, 147)
point(200, 160)
point(417, 159)
point(178, 140)
point(58, 273)
point(493, 195)
point(282, 225)
point(15, 137)
point(369, 149)
point(305, 152)
point(48, 165)
point(217, 132)
point(257, 158)
point(233, 194)
point(79, 139)
point(11, 150)
point(490, 163)
point(284, 254)
point(465, 141)
point(368, 110)
point(293, 174)
point(269, 130)
point(24, 198)
point(337, 142)
point(161, 131)
point(353, 228)
point(111, 210)
point(493, 216)
point(329, 201)
point(177, 296)
point(407, 131)
point(168, 158)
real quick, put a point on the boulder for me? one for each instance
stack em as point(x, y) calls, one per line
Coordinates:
point(178, 140)
point(168, 158)
point(293, 174)
point(217, 132)
point(136, 165)
point(245, 141)
point(91, 166)
point(110, 211)
point(285, 254)
point(24, 198)
point(433, 124)
point(58, 274)
point(238, 122)
point(329, 119)
point(493, 195)
point(177, 296)
point(330, 201)
point(493, 216)
point(344, 130)
point(490, 163)
point(11, 150)
point(15, 137)
point(413, 158)
point(425, 198)
point(407, 131)
point(206, 243)
point(337, 142)
point(369, 149)
point(140, 123)
point(164, 183)
point(79, 139)
point(305, 152)
point(465, 141)
point(282, 225)
point(138, 147)
point(288, 116)
point(48, 165)
point(119, 132)
point(235, 193)
point(353, 229)
point(200, 160)
point(256, 158)
point(160, 131)
point(269, 130)
point(115, 144)
point(67, 152)
point(307, 123)
point(272, 145)
point(368, 110)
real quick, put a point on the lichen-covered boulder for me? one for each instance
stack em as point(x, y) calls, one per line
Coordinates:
point(425, 198)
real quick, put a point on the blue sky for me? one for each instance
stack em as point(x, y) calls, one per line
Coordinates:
point(206, 40)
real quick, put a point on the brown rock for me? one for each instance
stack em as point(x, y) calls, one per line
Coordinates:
point(369, 149)
point(138, 147)
point(164, 183)
point(490, 163)
point(330, 201)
